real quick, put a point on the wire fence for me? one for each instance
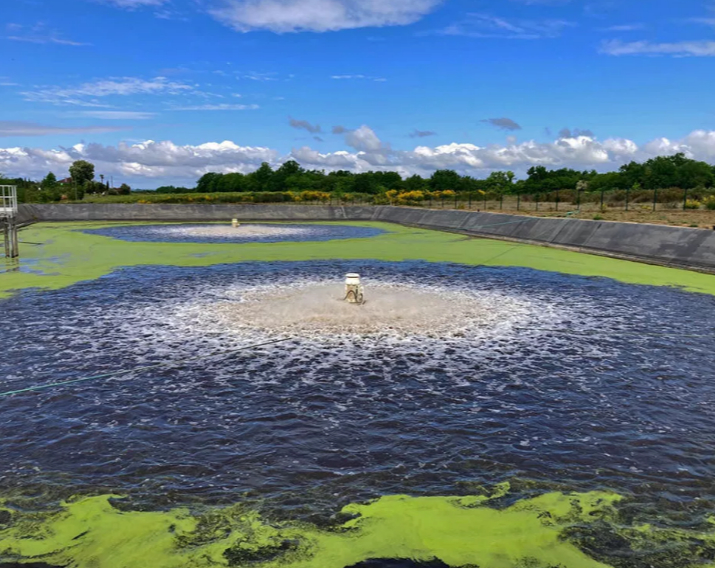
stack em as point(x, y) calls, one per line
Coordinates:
point(642, 200)
point(554, 201)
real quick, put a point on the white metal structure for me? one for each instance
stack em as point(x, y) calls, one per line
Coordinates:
point(8, 201)
point(8, 214)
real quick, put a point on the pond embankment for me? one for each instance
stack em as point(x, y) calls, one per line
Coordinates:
point(657, 244)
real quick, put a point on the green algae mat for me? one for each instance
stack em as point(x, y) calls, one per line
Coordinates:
point(58, 255)
point(553, 530)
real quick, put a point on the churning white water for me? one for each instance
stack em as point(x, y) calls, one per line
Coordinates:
point(226, 233)
point(246, 231)
point(318, 308)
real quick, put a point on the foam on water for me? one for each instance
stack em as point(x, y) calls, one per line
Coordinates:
point(318, 309)
point(246, 232)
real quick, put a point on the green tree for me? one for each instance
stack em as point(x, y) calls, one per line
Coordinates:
point(443, 180)
point(261, 178)
point(50, 181)
point(82, 172)
point(632, 173)
point(124, 189)
point(607, 182)
point(289, 170)
point(93, 187)
point(500, 182)
point(208, 182)
point(415, 183)
point(366, 183)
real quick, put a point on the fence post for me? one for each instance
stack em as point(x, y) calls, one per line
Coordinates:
point(557, 200)
point(470, 200)
point(655, 198)
point(602, 194)
point(537, 201)
point(501, 202)
point(485, 201)
point(685, 199)
point(456, 206)
point(518, 201)
point(628, 191)
point(578, 199)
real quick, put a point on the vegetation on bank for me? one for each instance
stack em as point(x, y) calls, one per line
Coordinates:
point(80, 184)
point(665, 179)
point(676, 171)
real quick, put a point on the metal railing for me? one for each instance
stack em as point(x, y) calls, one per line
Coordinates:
point(8, 201)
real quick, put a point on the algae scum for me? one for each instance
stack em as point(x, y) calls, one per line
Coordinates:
point(568, 420)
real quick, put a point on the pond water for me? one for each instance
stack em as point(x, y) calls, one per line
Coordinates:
point(225, 233)
point(453, 376)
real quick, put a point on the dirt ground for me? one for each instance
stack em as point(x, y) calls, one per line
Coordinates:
point(695, 219)
point(638, 213)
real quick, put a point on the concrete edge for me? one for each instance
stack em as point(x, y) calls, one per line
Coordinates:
point(592, 251)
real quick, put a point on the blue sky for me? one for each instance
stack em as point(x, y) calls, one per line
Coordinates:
point(158, 91)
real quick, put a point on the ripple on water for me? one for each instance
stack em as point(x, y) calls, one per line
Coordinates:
point(449, 375)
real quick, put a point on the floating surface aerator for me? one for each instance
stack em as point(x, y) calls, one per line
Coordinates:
point(354, 293)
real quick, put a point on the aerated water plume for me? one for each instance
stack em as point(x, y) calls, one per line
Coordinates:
point(311, 308)
point(449, 377)
point(226, 233)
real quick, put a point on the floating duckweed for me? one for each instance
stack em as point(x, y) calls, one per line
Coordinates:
point(67, 256)
point(459, 531)
point(571, 530)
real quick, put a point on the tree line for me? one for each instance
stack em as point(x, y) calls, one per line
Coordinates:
point(81, 182)
point(662, 172)
point(677, 171)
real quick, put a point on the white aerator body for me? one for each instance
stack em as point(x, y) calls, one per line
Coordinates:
point(354, 293)
point(235, 223)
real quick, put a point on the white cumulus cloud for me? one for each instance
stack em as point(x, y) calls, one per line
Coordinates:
point(168, 161)
point(319, 15)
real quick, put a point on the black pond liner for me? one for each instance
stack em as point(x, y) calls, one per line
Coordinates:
point(285, 232)
point(621, 396)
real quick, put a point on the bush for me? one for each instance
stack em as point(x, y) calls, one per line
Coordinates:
point(710, 203)
point(308, 196)
point(692, 204)
point(405, 197)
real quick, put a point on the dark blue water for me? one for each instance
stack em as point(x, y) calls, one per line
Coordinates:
point(597, 385)
point(247, 232)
